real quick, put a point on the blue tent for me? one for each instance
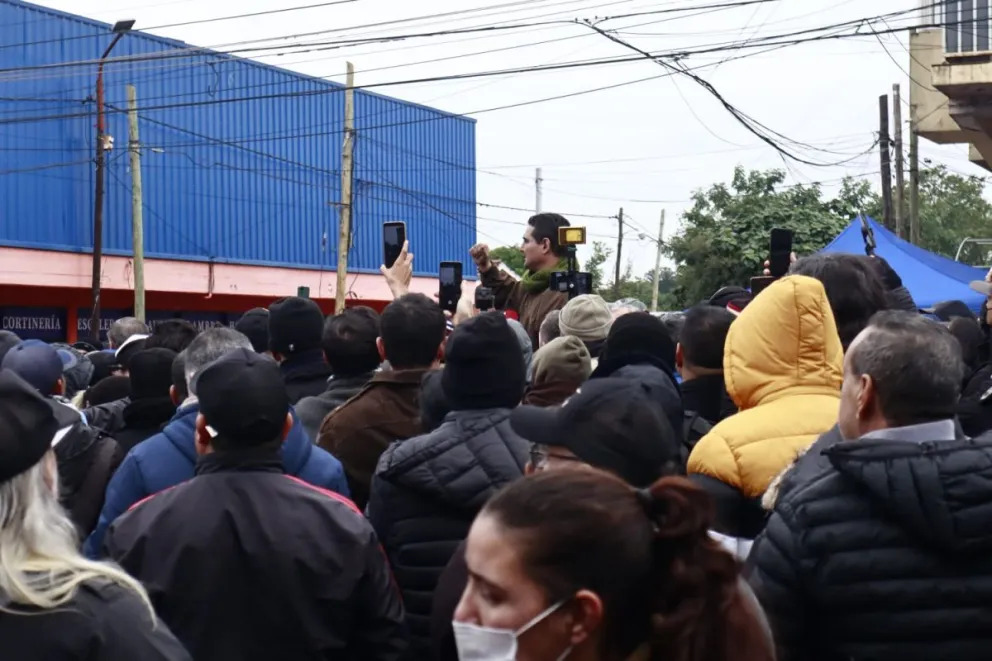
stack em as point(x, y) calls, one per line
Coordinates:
point(930, 278)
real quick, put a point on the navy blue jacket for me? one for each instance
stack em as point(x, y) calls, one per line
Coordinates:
point(169, 457)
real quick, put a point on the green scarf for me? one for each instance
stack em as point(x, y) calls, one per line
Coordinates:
point(536, 282)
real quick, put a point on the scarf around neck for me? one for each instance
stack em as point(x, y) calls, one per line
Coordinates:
point(534, 282)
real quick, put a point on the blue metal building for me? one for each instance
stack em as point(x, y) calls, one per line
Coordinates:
point(240, 160)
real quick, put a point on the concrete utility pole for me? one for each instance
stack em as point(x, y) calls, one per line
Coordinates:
point(137, 218)
point(616, 277)
point(538, 192)
point(900, 208)
point(347, 165)
point(914, 179)
point(657, 263)
point(883, 149)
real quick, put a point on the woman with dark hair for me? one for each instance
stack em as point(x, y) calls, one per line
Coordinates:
point(576, 565)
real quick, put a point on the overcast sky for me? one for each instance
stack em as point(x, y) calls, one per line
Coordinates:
point(644, 146)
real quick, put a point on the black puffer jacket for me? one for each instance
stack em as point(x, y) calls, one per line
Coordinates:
point(884, 555)
point(426, 493)
point(109, 417)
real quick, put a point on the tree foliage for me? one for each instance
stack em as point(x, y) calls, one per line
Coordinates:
point(724, 235)
point(511, 257)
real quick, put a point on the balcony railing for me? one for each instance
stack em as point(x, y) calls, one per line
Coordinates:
point(966, 24)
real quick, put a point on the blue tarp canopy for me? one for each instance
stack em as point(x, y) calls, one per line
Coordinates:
point(929, 277)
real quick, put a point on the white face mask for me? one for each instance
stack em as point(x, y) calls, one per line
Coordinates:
point(476, 643)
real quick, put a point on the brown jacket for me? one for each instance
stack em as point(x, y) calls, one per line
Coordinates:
point(387, 409)
point(530, 308)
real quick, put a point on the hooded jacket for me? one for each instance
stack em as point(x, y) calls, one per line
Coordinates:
point(426, 493)
point(783, 368)
point(884, 555)
point(169, 457)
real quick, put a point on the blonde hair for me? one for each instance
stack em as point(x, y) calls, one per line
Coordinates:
point(40, 564)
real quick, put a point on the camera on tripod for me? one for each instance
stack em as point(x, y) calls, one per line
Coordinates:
point(572, 282)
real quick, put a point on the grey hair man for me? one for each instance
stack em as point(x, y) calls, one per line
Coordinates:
point(211, 345)
point(124, 328)
point(899, 511)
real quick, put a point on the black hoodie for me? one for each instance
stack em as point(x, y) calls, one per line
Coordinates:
point(885, 554)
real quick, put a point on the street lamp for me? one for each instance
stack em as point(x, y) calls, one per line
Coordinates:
point(102, 144)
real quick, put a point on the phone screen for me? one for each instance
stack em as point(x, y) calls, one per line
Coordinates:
point(393, 236)
point(450, 280)
point(780, 253)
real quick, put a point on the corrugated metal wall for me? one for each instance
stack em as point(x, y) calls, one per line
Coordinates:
point(240, 160)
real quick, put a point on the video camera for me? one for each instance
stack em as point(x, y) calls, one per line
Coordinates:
point(572, 282)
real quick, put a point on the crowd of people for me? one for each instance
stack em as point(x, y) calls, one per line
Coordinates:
point(800, 475)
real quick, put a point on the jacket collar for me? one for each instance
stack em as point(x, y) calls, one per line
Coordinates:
point(400, 377)
point(255, 460)
point(939, 430)
point(311, 361)
point(707, 395)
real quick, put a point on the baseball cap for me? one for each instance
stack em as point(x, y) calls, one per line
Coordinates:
point(27, 425)
point(37, 363)
point(947, 310)
point(130, 346)
point(614, 424)
point(295, 325)
point(243, 398)
point(255, 326)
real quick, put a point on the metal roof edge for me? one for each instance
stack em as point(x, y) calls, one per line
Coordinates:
point(207, 51)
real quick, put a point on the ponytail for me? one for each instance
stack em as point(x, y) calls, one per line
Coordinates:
point(646, 553)
point(700, 612)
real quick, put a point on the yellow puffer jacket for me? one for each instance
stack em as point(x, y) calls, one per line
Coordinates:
point(783, 368)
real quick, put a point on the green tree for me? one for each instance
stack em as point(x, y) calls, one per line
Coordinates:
point(724, 235)
point(600, 255)
point(953, 208)
point(511, 257)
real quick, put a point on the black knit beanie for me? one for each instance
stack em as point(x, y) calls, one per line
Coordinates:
point(295, 325)
point(254, 324)
point(151, 373)
point(637, 337)
point(484, 367)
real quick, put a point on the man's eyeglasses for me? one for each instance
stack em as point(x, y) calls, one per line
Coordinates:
point(539, 455)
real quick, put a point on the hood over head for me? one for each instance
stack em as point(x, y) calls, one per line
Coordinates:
point(939, 492)
point(784, 342)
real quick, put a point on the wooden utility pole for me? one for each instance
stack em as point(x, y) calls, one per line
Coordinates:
point(616, 277)
point(914, 179)
point(137, 218)
point(900, 208)
point(883, 149)
point(538, 192)
point(657, 263)
point(347, 165)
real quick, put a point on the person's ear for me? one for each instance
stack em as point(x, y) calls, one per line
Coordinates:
point(174, 395)
point(380, 345)
point(679, 356)
point(60, 386)
point(440, 353)
point(287, 425)
point(202, 436)
point(546, 246)
point(866, 398)
point(529, 468)
point(586, 613)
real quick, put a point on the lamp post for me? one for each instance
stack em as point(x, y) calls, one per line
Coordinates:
point(120, 29)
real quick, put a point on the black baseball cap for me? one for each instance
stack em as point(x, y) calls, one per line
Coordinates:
point(614, 424)
point(243, 398)
point(27, 425)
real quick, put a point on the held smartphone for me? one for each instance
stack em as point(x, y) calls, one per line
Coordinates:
point(393, 236)
point(485, 300)
point(780, 252)
point(450, 290)
point(760, 282)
